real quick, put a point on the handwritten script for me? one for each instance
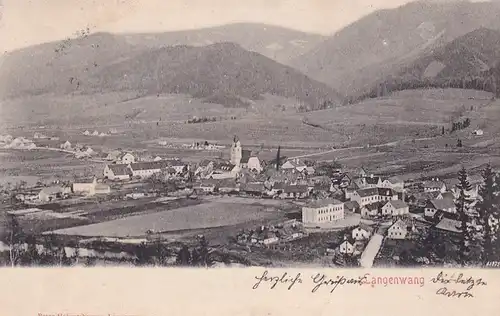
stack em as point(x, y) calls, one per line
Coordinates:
point(317, 280)
point(457, 284)
point(452, 285)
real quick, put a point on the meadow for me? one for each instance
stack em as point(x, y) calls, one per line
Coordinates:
point(204, 216)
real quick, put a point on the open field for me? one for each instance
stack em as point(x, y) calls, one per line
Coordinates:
point(187, 218)
point(42, 164)
point(407, 114)
point(408, 123)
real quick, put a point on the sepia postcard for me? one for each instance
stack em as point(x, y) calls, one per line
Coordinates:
point(227, 157)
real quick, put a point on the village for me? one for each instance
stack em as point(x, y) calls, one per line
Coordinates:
point(258, 212)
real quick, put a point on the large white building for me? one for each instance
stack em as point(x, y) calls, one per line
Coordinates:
point(372, 195)
point(323, 211)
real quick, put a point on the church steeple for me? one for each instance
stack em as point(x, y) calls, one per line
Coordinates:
point(236, 151)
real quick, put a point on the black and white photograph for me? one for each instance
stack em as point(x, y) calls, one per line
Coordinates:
point(275, 134)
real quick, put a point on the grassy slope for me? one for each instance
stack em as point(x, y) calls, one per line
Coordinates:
point(375, 46)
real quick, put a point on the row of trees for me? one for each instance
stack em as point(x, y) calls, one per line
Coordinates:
point(455, 126)
point(487, 82)
point(478, 239)
point(202, 120)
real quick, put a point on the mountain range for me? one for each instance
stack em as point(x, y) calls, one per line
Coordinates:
point(380, 44)
point(185, 62)
point(419, 44)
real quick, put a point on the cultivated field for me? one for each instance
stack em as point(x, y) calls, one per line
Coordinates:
point(23, 165)
point(271, 121)
point(187, 218)
point(408, 124)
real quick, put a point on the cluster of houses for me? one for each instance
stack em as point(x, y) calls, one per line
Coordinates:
point(60, 191)
point(125, 167)
point(268, 235)
point(368, 195)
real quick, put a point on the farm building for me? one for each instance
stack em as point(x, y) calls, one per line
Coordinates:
point(117, 172)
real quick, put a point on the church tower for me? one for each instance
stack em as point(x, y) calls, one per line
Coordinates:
point(236, 152)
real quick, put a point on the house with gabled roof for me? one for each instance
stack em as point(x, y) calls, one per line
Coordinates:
point(178, 165)
point(395, 208)
point(117, 172)
point(372, 195)
point(434, 185)
point(352, 206)
point(251, 163)
point(295, 191)
point(448, 225)
point(399, 230)
point(347, 246)
point(253, 188)
point(294, 165)
point(370, 182)
point(126, 158)
point(372, 209)
point(206, 186)
point(444, 205)
point(228, 186)
point(362, 232)
point(394, 183)
point(147, 169)
point(49, 194)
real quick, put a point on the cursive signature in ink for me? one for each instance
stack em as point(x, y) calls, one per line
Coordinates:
point(322, 280)
point(452, 293)
point(285, 278)
point(445, 279)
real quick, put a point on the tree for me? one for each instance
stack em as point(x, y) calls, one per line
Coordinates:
point(487, 209)
point(31, 256)
point(278, 158)
point(463, 210)
point(183, 256)
point(459, 143)
point(14, 239)
point(204, 252)
point(161, 252)
point(143, 254)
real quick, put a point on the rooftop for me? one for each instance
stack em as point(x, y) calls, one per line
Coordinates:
point(433, 184)
point(119, 169)
point(449, 225)
point(398, 204)
point(323, 203)
point(442, 204)
point(150, 165)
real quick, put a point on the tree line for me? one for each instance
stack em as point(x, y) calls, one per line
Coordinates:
point(487, 82)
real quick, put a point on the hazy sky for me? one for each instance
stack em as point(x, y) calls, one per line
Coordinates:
point(28, 22)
